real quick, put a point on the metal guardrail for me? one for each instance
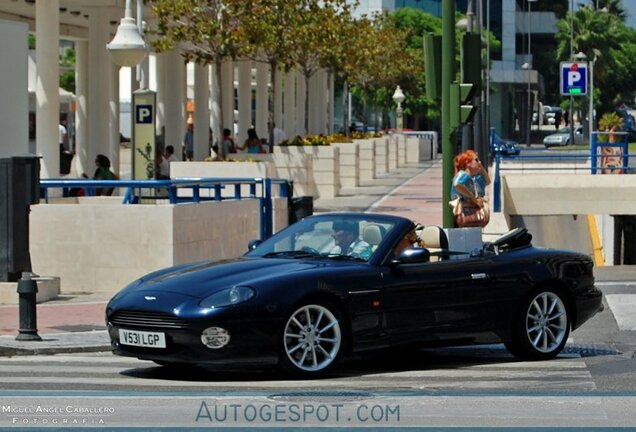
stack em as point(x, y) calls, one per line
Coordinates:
point(259, 188)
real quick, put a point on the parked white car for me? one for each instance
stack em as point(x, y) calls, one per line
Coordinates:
point(562, 137)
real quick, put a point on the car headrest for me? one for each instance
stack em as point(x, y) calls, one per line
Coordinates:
point(372, 234)
point(434, 237)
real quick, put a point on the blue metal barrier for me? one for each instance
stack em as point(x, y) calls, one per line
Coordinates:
point(134, 191)
point(600, 150)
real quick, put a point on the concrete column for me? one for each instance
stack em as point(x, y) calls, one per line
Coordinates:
point(509, 30)
point(300, 103)
point(289, 113)
point(175, 97)
point(227, 94)
point(113, 118)
point(331, 111)
point(14, 116)
point(278, 102)
point(313, 108)
point(81, 108)
point(161, 77)
point(215, 107)
point(262, 99)
point(244, 99)
point(323, 100)
point(201, 112)
point(99, 69)
point(47, 93)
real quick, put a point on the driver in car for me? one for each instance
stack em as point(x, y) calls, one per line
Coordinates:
point(348, 241)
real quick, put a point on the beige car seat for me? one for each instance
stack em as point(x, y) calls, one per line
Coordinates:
point(434, 239)
point(372, 234)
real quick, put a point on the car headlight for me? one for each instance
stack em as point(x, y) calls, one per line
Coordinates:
point(228, 297)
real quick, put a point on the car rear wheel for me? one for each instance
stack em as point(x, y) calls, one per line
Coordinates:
point(313, 339)
point(542, 326)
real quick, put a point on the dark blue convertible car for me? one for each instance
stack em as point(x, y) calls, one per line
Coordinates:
point(298, 300)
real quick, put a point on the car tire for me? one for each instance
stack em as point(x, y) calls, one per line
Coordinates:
point(313, 339)
point(541, 327)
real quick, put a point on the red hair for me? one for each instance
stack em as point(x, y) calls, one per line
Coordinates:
point(462, 160)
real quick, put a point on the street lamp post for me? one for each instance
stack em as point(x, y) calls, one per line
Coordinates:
point(129, 49)
point(529, 67)
point(526, 66)
point(581, 57)
point(398, 98)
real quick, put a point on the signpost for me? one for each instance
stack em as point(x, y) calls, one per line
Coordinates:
point(574, 78)
point(144, 135)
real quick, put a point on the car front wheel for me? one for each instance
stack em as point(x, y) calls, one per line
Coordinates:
point(313, 339)
point(542, 327)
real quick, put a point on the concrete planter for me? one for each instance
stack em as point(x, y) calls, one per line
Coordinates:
point(367, 160)
point(264, 168)
point(381, 156)
point(115, 244)
point(349, 163)
point(325, 166)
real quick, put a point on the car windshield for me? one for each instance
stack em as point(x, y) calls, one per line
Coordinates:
point(564, 131)
point(340, 237)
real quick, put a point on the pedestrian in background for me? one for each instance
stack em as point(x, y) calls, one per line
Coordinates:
point(188, 141)
point(253, 143)
point(468, 191)
point(103, 172)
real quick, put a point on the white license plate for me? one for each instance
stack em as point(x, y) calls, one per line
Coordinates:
point(142, 338)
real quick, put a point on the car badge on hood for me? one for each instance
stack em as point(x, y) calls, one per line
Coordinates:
point(150, 298)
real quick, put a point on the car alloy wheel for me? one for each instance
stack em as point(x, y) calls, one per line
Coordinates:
point(313, 339)
point(543, 327)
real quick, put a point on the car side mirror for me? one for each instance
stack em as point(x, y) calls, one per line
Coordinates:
point(253, 244)
point(413, 256)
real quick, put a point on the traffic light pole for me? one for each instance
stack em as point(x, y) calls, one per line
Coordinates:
point(448, 76)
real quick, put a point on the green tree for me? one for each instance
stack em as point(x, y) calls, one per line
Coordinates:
point(268, 25)
point(317, 23)
point(605, 39)
point(206, 32)
point(67, 66)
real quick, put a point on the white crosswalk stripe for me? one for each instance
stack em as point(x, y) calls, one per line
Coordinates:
point(487, 368)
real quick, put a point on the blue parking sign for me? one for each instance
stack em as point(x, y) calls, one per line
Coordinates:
point(573, 78)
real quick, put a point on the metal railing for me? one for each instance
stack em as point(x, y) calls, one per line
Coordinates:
point(139, 192)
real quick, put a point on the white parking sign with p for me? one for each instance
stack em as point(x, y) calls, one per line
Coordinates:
point(144, 114)
point(573, 78)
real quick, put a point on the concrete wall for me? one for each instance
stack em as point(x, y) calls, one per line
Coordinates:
point(101, 246)
point(548, 194)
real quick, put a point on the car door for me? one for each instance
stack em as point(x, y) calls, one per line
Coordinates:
point(428, 300)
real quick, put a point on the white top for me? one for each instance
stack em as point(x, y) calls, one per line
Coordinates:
point(62, 134)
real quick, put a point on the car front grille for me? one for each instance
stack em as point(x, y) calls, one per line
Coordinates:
point(131, 318)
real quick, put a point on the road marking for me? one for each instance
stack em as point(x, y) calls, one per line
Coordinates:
point(491, 370)
point(623, 307)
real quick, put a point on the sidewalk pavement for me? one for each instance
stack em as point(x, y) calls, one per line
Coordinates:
point(75, 322)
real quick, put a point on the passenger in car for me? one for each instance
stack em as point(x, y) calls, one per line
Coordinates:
point(407, 242)
point(346, 235)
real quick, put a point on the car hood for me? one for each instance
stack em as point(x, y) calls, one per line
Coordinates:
point(204, 278)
